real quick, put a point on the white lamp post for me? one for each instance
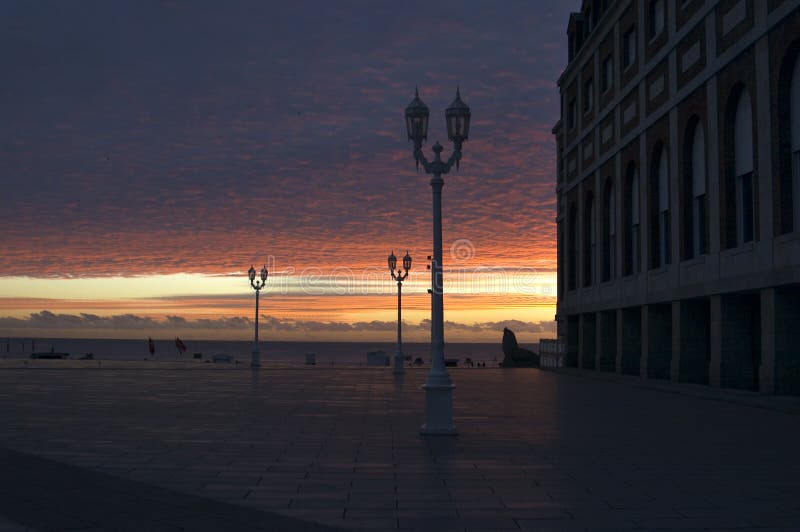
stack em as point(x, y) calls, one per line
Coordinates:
point(438, 387)
point(255, 360)
point(399, 277)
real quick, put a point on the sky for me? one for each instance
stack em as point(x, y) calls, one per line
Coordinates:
point(151, 151)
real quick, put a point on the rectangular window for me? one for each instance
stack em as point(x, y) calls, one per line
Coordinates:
point(635, 248)
point(612, 251)
point(796, 190)
point(656, 18)
point(665, 230)
point(588, 96)
point(747, 207)
point(700, 225)
point(571, 114)
point(607, 74)
point(628, 261)
point(629, 47)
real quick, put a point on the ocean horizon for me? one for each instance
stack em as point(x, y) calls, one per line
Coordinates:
point(284, 352)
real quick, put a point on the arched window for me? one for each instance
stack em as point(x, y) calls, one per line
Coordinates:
point(630, 220)
point(663, 207)
point(743, 168)
point(659, 209)
point(786, 185)
point(588, 240)
point(698, 190)
point(693, 202)
point(572, 247)
point(609, 230)
point(795, 114)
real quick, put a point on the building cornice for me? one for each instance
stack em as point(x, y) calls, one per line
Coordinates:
point(606, 22)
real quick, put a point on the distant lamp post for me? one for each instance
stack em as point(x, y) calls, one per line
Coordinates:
point(399, 277)
point(255, 360)
point(438, 386)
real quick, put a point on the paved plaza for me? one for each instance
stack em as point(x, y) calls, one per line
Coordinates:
point(148, 446)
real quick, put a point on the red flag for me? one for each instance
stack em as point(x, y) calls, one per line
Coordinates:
point(180, 345)
point(152, 345)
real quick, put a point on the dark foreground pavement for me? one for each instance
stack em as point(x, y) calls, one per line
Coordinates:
point(142, 446)
point(48, 495)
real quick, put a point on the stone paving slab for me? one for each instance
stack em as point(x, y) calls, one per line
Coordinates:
point(340, 447)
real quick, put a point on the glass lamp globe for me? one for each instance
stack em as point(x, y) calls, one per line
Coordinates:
point(407, 261)
point(417, 119)
point(457, 117)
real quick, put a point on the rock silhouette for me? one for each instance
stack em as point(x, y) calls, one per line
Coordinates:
point(516, 356)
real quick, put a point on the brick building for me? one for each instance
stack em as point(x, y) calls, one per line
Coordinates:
point(678, 187)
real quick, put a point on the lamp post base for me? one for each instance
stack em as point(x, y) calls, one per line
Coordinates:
point(438, 410)
point(398, 363)
point(255, 359)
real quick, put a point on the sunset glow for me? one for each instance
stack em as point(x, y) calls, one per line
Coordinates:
point(328, 307)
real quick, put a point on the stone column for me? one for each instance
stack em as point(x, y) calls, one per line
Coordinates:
point(588, 339)
point(581, 339)
point(618, 355)
point(645, 342)
point(766, 372)
point(675, 362)
point(573, 340)
point(714, 368)
point(599, 329)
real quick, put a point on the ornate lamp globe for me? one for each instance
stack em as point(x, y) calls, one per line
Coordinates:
point(392, 262)
point(407, 262)
point(264, 273)
point(251, 273)
point(417, 119)
point(457, 117)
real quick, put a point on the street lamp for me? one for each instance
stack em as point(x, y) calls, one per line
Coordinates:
point(399, 277)
point(438, 387)
point(255, 360)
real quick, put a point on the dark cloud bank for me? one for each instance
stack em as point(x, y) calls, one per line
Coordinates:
point(46, 320)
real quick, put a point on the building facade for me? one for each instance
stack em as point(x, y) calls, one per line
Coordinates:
point(678, 186)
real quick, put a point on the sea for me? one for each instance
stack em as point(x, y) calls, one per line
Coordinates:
point(285, 353)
